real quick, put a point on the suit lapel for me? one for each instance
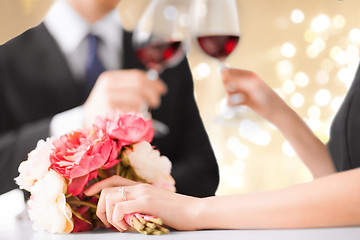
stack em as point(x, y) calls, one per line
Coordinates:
point(60, 71)
point(57, 71)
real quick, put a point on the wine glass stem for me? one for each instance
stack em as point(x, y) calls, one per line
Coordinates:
point(152, 74)
point(144, 110)
point(222, 65)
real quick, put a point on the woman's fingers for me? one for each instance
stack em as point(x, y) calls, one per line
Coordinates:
point(114, 181)
point(101, 207)
point(120, 209)
point(115, 202)
point(233, 85)
point(109, 198)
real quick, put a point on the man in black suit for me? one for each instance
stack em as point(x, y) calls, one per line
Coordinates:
point(38, 83)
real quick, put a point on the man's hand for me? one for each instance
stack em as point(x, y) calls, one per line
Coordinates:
point(126, 90)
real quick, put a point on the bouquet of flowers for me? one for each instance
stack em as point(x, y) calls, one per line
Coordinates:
point(58, 171)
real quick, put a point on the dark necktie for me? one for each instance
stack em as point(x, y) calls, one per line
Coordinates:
point(93, 64)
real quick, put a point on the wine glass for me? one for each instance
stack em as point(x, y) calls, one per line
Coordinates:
point(216, 29)
point(161, 41)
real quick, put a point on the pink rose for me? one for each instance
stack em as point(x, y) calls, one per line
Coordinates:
point(79, 154)
point(76, 185)
point(127, 128)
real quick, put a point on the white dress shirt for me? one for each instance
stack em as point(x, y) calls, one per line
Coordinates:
point(70, 31)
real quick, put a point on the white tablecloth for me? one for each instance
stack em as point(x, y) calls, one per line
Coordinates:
point(13, 227)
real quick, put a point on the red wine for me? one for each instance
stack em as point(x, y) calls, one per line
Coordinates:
point(159, 55)
point(218, 46)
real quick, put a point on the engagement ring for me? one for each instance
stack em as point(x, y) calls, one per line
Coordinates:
point(122, 191)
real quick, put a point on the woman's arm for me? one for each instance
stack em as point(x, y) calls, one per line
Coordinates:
point(263, 100)
point(325, 202)
point(308, 147)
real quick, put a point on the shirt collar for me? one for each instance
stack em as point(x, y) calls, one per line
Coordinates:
point(69, 28)
point(109, 29)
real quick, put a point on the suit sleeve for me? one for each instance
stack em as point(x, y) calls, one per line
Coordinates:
point(14, 147)
point(16, 140)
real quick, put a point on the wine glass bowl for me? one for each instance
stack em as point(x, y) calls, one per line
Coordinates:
point(218, 46)
point(156, 56)
point(160, 40)
point(216, 29)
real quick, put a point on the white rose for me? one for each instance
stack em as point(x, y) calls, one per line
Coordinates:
point(36, 166)
point(47, 206)
point(165, 181)
point(147, 162)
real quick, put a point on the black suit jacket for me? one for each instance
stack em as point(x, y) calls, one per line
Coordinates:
point(344, 144)
point(36, 83)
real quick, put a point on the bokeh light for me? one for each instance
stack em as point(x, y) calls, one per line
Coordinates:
point(327, 65)
point(319, 44)
point(297, 100)
point(314, 124)
point(312, 51)
point(339, 21)
point(231, 176)
point(322, 97)
point(314, 112)
point(346, 76)
point(239, 149)
point(288, 50)
point(320, 23)
point(322, 77)
point(301, 79)
point(297, 16)
point(288, 87)
point(336, 103)
point(287, 149)
point(201, 71)
point(310, 36)
point(285, 68)
point(354, 35)
point(252, 131)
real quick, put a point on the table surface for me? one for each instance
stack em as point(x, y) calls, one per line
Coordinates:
point(13, 227)
point(23, 230)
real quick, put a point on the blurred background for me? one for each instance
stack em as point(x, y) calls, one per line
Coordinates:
point(308, 51)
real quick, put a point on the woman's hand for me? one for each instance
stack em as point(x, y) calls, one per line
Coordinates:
point(256, 93)
point(177, 211)
point(263, 100)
